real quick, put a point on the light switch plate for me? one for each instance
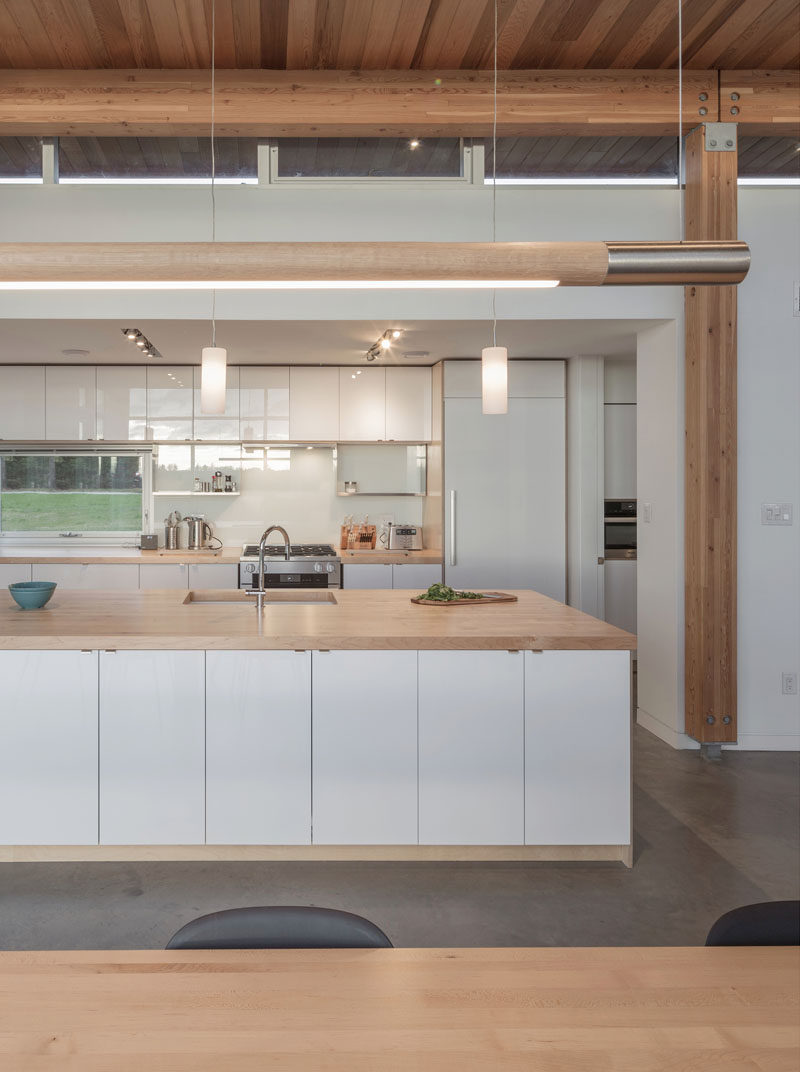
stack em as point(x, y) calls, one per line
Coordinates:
point(796, 299)
point(776, 513)
point(647, 512)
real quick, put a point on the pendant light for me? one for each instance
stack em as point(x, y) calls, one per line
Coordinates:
point(494, 358)
point(214, 359)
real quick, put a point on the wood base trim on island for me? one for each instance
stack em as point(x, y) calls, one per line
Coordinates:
point(245, 853)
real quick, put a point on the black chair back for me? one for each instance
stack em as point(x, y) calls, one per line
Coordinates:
point(767, 923)
point(278, 927)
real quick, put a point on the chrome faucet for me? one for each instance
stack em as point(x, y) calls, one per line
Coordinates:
point(260, 592)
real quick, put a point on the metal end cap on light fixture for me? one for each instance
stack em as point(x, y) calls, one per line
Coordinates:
point(679, 263)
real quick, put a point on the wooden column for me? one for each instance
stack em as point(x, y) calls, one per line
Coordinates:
point(710, 512)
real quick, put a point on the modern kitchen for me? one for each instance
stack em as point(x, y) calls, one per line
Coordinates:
point(399, 569)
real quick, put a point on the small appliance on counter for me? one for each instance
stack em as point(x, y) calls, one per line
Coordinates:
point(403, 537)
point(148, 542)
point(201, 535)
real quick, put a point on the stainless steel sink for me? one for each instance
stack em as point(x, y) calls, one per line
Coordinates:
point(302, 597)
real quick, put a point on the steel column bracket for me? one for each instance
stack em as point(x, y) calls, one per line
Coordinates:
point(719, 137)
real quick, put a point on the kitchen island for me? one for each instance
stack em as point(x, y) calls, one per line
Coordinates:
point(351, 725)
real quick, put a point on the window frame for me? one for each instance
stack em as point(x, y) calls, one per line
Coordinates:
point(117, 538)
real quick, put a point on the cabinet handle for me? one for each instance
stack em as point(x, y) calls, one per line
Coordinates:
point(452, 528)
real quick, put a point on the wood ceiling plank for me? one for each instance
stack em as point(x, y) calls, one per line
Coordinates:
point(84, 45)
point(382, 26)
point(536, 44)
point(274, 33)
point(663, 19)
point(247, 33)
point(698, 29)
point(167, 30)
point(785, 56)
point(581, 52)
point(27, 30)
point(353, 34)
point(300, 35)
point(574, 21)
point(140, 33)
point(108, 19)
point(449, 37)
point(225, 35)
point(410, 27)
point(754, 51)
point(745, 19)
point(327, 31)
point(195, 33)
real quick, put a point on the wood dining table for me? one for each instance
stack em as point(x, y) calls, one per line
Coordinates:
point(396, 1010)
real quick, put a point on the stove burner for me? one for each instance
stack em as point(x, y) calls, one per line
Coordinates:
point(298, 550)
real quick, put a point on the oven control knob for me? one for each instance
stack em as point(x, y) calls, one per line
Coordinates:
point(329, 568)
point(318, 567)
point(249, 567)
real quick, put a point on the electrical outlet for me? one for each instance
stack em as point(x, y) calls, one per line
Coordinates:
point(796, 300)
point(789, 684)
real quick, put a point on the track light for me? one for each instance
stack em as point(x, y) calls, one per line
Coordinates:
point(141, 341)
point(383, 343)
point(414, 143)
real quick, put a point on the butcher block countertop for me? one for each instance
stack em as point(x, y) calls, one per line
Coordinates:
point(357, 619)
point(380, 556)
point(116, 555)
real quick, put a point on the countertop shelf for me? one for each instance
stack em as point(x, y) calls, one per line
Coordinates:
point(198, 494)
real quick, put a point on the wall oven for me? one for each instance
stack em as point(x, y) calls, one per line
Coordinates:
point(619, 525)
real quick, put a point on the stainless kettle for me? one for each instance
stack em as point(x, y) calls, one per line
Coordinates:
point(200, 533)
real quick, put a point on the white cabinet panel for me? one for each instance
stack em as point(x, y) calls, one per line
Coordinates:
point(258, 746)
point(225, 426)
point(620, 593)
point(169, 402)
point(21, 402)
point(48, 756)
point(408, 404)
point(416, 575)
point(121, 402)
point(152, 748)
point(166, 575)
point(526, 379)
point(362, 404)
point(213, 575)
point(505, 496)
point(70, 402)
point(577, 748)
point(365, 747)
point(366, 575)
point(313, 403)
point(471, 741)
point(264, 402)
point(620, 451)
point(88, 576)
point(12, 572)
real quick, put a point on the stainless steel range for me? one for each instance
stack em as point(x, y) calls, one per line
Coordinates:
point(309, 565)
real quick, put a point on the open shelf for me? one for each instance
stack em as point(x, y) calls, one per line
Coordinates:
point(199, 494)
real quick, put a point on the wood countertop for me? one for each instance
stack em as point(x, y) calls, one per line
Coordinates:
point(357, 619)
point(95, 556)
point(380, 556)
point(367, 1010)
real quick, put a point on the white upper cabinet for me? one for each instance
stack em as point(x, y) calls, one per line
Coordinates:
point(264, 402)
point(526, 379)
point(21, 402)
point(169, 401)
point(121, 402)
point(70, 402)
point(362, 404)
point(313, 403)
point(224, 426)
point(408, 404)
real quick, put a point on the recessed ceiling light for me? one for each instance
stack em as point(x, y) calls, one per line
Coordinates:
point(76, 353)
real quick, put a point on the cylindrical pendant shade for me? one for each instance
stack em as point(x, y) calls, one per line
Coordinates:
point(212, 380)
point(494, 379)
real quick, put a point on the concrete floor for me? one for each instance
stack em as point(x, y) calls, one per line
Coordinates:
point(709, 837)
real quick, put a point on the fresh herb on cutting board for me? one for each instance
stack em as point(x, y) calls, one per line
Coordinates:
point(443, 593)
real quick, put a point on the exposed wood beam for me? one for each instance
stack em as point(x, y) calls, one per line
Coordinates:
point(710, 463)
point(761, 102)
point(351, 103)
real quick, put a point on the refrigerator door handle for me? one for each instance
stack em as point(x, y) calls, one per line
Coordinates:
point(452, 528)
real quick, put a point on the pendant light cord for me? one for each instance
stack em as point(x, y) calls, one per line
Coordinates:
point(213, 161)
point(680, 122)
point(494, 175)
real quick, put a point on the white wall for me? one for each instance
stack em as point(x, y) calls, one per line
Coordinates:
point(585, 484)
point(769, 468)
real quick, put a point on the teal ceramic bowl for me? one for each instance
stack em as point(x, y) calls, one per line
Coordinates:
point(32, 594)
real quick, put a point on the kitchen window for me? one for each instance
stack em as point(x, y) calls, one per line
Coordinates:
point(53, 496)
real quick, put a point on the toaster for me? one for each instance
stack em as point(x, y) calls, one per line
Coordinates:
point(405, 537)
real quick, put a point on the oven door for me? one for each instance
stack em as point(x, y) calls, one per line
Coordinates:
point(620, 535)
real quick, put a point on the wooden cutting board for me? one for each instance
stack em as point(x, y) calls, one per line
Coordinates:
point(488, 597)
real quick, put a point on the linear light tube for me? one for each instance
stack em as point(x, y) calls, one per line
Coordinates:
point(280, 284)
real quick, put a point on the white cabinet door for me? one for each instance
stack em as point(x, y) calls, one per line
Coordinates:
point(620, 451)
point(416, 575)
point(70, 402)
point(224, 426)
point(264, 402)
point(170, 406)
point(365, 747)
point(152, 748)
point(21, 402)
point(166, 575)
point(213, 575)
point(48, 755)
point(408, 404)
point(366, 575)
point(619, 578)
point(114, 576)
point(12, 572)
point(577, 748)
point(471, 742)
point(362, 404)
point(121, 402)
point(313, 403)
point(258, 747)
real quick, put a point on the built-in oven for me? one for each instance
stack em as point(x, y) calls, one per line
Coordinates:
point(308, 566)
point(619, 525)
